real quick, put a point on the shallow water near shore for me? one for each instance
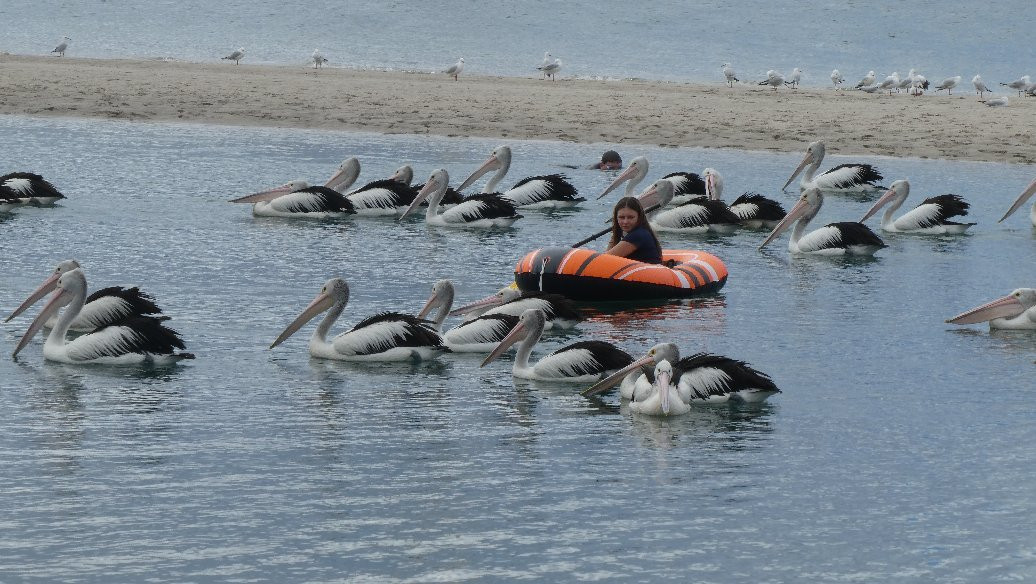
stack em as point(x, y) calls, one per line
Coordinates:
point(900, 449)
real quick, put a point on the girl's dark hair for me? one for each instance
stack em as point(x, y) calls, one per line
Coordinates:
point(634, 204)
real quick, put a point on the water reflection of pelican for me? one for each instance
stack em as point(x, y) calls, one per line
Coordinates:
point(722, 426)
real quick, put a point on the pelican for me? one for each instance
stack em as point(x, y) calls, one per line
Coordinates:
point(27, 188)
point(388, 336)
point(844, 177)
point(753, 210)
point(661, 398)
point(980, 86)
point(560, 312)
point(794, 78)
point(997, 101)
point(701, 378)
point(1016, 311)
point(581, 362)
point(139, 339)
point(478, 335)
point(455, 69)
point(837, 78)
point(1022, 198)
point(298, 199)
point(236, 56)
point(62, 47)
point(318, 59)
point(773, 79)
point(382, 198)
point(948, 84)
point(475, 211)
point(729, 74)
point(845, 238)
point(535, 192)
point(102, 308)
point(547, 60)
point(1020, 84)
point(931, 217)
point(686, 185)
point(697, 216)
point(551, 69)
point(868, 79)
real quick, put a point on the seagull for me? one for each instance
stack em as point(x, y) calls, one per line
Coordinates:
point(773, 79)
point(907, 81)
point(870, 88)
point(890, 82)
point(60, 49)
point(980, 86)
point(868, 80)
point(948, 84)
point(1020, 84)
point(318, 59)
point(455, 69)
point(552, 69)
point(729, 73)
point(547, 60)
point(918, 85)
point(837, 78)
point(997, 101)
point(236, 56)
point(794, 78)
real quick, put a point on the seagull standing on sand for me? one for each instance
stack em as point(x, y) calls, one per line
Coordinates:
point(552, 69)
point(890, 82)
point(236, 56)
point(794, 78)
point(1020, 84)
point(867, 80)
point(837, 78)
point(906, 82)
point(729, 73)
point(318, 59)
point(62, 46)
point(773, 79)
point(455, 69)
point(547, 60)
point(980, 86)
point(948, 84)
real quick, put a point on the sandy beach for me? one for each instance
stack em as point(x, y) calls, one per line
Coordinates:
point(748, 116)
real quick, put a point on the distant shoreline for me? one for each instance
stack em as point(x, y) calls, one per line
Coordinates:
point(656, 113)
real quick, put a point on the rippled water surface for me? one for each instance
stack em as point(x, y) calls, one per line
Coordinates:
point(899, 451)
point(663, 39)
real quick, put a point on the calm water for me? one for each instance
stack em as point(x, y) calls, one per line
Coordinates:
point(899, 451)
point(664, 39)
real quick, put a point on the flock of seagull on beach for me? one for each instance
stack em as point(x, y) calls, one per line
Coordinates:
point(119, 325)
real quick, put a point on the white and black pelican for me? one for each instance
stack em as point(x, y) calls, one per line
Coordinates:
point(27, 188)
point(581, 362)
point(138, 339)
point(386, 197)
point(475, 211)
point(1016, 311)
point(844, 238)
point(697, 216)
point(477, 335)
point(560, 312)
point(298, 199)
point(844, 177)
point(549, 191)
point(388, 336)
point(345, 175)
point(753, 210)
point(701, 378)
point(405, 175)
point(661, 397)
point(686, 185)
point(1022, 198)
point(102, 308)
point(931, 217)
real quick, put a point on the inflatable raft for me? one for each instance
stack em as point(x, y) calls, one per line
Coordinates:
point(587, 275)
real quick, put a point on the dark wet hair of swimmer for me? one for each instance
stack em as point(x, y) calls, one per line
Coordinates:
point(610, 160)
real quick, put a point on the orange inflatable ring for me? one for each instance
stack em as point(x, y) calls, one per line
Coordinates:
point(583, 274)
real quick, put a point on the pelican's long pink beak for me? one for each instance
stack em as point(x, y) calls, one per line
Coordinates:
point(321, 303)
point(44, 288)
point(428, 306)
point(421, 196)
point(797, 211)
point(516, 334)
point(1006, 307)
point(1022, 198)
point(492, 163)
point(888, 196)
point(615, 378)
point(664, 380)
point(59, 299)
point(805, 161)
point(625, 176)
point(492, 300)
point(261, 196)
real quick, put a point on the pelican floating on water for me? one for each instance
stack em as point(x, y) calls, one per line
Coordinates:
point(137, 339)
point(386, 197)
point(845, 238)
point(560, 312)
point(18, 189)
point(686, 185)
point(931, 217)
point(102, 308)
point(701, 378)
point(535, 192)
point(476, 211)
point(1022, 198)
point(298, 199)
point(1016, 311)
point(388, 336)
point(844, 177)
point(581, 362)
point(753, 210)
point(661, 397)
point(697, 216)
point(477, 335)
